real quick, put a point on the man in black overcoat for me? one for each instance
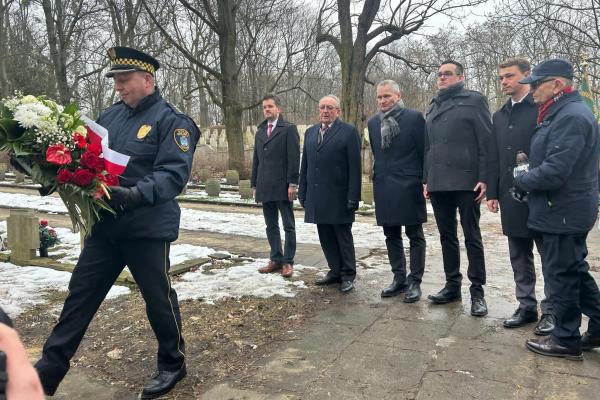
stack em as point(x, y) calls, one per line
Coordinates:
point(330, 178)
point(275, 170)
point(513, 128)
point(458, 126)
point(397, 140)
point(562, 182)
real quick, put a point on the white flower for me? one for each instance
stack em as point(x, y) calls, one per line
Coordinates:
point(31, 114)
point(12, 103)
point(29, 99)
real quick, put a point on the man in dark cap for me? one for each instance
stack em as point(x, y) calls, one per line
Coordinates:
point(161, 142)
point(562, 186)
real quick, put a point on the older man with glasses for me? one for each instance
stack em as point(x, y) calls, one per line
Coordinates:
point(458, 130)
point(561, 183)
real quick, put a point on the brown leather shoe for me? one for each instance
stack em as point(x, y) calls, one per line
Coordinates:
point(287, 270)
point(272, 266)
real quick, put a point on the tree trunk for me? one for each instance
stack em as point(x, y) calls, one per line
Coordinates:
point(56, 42)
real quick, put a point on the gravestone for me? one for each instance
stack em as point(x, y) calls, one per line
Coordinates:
point(245, 189)
point(203, 174)
point(232, 177)
point(23, 236)
point(19, 177)
point(213, 187)
point(366, 190)
point(3, 169)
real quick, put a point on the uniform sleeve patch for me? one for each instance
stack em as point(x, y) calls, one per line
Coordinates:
point(182, 139)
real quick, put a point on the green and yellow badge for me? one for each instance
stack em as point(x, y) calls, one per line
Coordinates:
point(144, 131)
point(182, 138)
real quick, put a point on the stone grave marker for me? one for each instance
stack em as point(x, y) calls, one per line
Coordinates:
point(23, 236)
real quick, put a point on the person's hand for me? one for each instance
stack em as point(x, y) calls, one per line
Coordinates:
point(425, 191)
point(292, 193)
point(23, 380)
point(482, 189)
point(352, 205)
point(124, 198)
point(492, 205)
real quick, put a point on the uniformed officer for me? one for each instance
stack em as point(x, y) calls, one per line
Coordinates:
point(562, 182)
point(161, 142)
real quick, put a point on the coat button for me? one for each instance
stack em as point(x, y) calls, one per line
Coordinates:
point(265, 148)
point(316, 184)
point(510, 127)
point(508, 147)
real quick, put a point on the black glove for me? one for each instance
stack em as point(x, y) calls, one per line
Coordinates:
point(518, 192)
point(124, 198)
point(352, 205)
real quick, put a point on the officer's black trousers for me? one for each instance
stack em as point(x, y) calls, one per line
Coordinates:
point(571, 288)
point(395, 248)
point(445, 205)
point(271, 210)
point(338, 246)
point(100, 263)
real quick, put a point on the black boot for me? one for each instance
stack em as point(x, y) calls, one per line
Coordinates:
point(162, 382)
point(396, 287)
point(445, 296)
point(521, 317)
point(413, 293)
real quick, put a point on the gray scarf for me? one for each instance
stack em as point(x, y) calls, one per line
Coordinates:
point(389, 124)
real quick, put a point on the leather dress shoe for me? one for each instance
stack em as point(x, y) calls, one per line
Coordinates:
point(521, 317)
point(287, 270)
point(589, 342)
point(547, 347)
point(328, 280)
point(478, 307)
point(396, 287)
point(413, 292)
point(346, 286)
point(444, 296)
point(162, 382)
point(272, 266)
point(545, 326)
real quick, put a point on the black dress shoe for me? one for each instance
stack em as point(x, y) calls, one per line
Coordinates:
point(547, 347)
point(478, 307)
point(413, 293)
point(521, 317)
point(394, 289)
point(589, 342)
point(444, 296)
point(328, 280)
point(162, 382)
point(546, 325)
point(346, 286)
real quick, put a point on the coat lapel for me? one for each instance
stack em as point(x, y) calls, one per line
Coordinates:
point(333, 129)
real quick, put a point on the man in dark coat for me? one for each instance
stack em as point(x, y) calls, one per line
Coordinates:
point(562, 182)
point(397, 140)
point(458, 126)
point(513, 128)
point(161, 142)
point(275, 170)
point(330, 177)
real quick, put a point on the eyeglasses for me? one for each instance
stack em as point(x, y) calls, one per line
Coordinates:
point(537, 84)
point(446, 74)
point(328, 108)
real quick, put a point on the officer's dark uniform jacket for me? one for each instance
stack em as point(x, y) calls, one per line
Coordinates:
point(276, 161)
point(456, 143)
point(161, 142)
point(513, 127)
point(398, 171)
point(563, 169)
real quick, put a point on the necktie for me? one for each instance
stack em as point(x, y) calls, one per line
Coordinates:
point(322, 133)
point(270, 130)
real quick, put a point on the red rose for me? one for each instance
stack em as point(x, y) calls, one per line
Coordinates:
point(58, 154)
point(110, 179)
point(83, 177)
point(79, 140)
point(94, 148)
point(43, 222)
point(92, 161)
point(64, 176)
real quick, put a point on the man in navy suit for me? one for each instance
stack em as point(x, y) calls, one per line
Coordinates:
point(330, 189)
point(397, 137)
point(274, 181)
